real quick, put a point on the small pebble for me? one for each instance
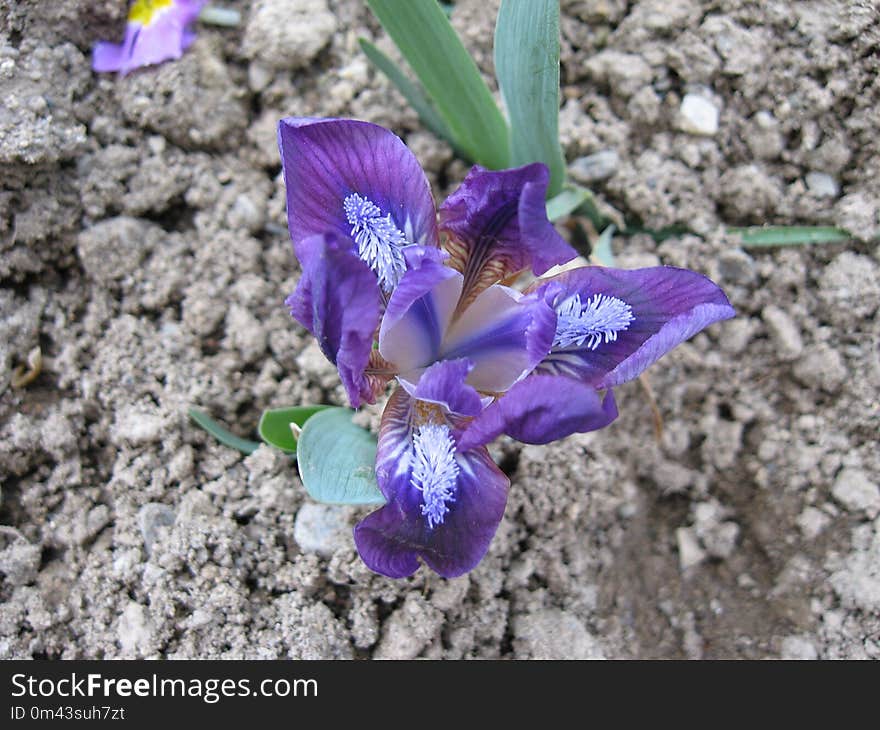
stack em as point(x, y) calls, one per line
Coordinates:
point(855, 491)
point(822, 185)
point(698, 115)
point(591, 168)
point(321, 528)
point(784, 332)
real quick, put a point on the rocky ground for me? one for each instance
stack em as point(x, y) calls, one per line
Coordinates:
point(143, 250)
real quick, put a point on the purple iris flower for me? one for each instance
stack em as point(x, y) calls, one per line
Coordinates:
point(472, 357)
point(157, 30)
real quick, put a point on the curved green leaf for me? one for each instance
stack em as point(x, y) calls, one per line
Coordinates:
point(449, 76)
point(275, 424)
point(527, 67)
point(225, 437)
point(337, 459)
point(410, 90)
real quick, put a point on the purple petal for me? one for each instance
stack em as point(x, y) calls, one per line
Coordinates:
point(337, 300)
point(443, 384)
point(327, 160)
point(391, 540)
point(164, 37)
point(497, 225)
point(417, 316)
point(665, 305)
point(541, 409)
point(504, 334)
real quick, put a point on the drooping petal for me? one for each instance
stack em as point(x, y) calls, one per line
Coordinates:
point(338, 302)
point(497, 225)
point(156, 32)
point(359, 180)
point(541, 409)
point(504, 334)
point(612, 324)
point(444, 505)
point(417, 316)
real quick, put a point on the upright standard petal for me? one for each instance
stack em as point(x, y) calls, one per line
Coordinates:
point(444, 503)
point(157, 31)
point(338, 302)
point(541, 409)
point(361, 181)
point(417, 316)
point(497, 226)
point(505, 335)
point(612, 324)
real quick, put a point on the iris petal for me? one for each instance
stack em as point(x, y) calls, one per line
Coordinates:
point(418, 315)
point(667, 306)
point(450, 540)
point(164, 37)
point(541, 409)
point(505, 335)
point(497, 226)
point(337, 300)
point(443, 384)
point(329, 161)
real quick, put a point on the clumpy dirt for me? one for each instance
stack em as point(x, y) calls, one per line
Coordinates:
point(143, 250)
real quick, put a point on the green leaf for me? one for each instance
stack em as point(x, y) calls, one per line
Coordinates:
point(602, 248)
point(410, 90)
point(790, 235)
point(275, 423)
point(337, 459)
point(449, 76)
point(527, 67)
point(576, 199)
point(227, 438)
point(567, 202)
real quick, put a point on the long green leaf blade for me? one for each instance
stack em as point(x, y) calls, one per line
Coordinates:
point(527, 66)
point(227, 438)
point(449, 76)
point(759, 236)
point(411, 91)
point(337, 459)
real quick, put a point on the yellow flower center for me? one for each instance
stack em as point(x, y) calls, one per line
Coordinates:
point(144, 11)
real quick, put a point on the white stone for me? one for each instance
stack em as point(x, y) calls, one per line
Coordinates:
point(812, 522)
point(855, 491)
point(783, 331)
point(822, 185)
point(134, 630)
point(135, 425)
point(698, 115)
point(798, 647)
point(598, 166)
point(689, 551)
point(322, 528)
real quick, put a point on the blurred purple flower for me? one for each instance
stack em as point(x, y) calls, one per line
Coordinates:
point(472, 357)
point(157, 30)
